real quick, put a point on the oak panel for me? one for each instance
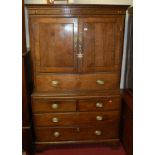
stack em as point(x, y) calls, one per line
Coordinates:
point(101, 43)
point(54, 44)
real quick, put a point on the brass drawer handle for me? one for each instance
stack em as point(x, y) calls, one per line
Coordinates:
point(100, 82)
point(54, 106)
point(99, 118)
point(55, 120)
point(55, 83)
point(56, 134)
point(98, 133)
point(110, 101)
point(99, 105)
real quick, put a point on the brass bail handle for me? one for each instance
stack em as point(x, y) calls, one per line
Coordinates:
point(100, 82)
point(99, 104)
point(55, 83)
point(98, 132)
point(54, 106)
point(99, 118)
point(56, 134)
point(55, 120)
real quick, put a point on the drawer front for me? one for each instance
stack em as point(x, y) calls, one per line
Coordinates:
point(99, 104)
point(83, 118)
point(52, 82)
point(78, 133)
point(39, 106)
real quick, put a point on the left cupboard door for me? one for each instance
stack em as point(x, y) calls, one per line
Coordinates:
point(54, 44)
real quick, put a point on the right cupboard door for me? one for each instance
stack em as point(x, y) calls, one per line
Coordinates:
point(100, 40)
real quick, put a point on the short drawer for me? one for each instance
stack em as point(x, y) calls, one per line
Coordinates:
point(53, 82)
point(99, 104)
point(77, 118)
point(40, 105)
point(77, 133)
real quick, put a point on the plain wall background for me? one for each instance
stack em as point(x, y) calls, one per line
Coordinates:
point(105, 1)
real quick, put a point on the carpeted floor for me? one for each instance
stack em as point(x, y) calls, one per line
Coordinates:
point(84, 150)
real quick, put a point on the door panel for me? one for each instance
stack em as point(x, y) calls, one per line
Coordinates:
point(54, 44)
point(101, 43)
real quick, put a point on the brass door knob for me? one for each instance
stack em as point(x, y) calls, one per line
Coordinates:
point(99, 105)
point(55, 120)
point(98, 133)
point(56, 134)
point(99, 118)
point(54, 106)
point(100, 82)
point(55, 83)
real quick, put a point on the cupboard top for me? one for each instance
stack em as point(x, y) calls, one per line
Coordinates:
point(75, 9)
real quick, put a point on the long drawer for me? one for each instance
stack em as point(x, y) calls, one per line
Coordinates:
point(77, 133)
point(78, 118)
point(53, 82)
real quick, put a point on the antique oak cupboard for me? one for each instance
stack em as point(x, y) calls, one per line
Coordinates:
point(76, 53)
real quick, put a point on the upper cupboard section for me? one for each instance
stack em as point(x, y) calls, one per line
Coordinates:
point(71, 45)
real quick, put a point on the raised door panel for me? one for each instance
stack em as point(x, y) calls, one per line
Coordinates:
point(54, 40)
point(101, 42)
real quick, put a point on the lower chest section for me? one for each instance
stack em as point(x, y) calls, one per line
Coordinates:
point(74, 120)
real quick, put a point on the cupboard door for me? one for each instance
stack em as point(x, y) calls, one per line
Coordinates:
point(101, 43)
point(54, 42)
